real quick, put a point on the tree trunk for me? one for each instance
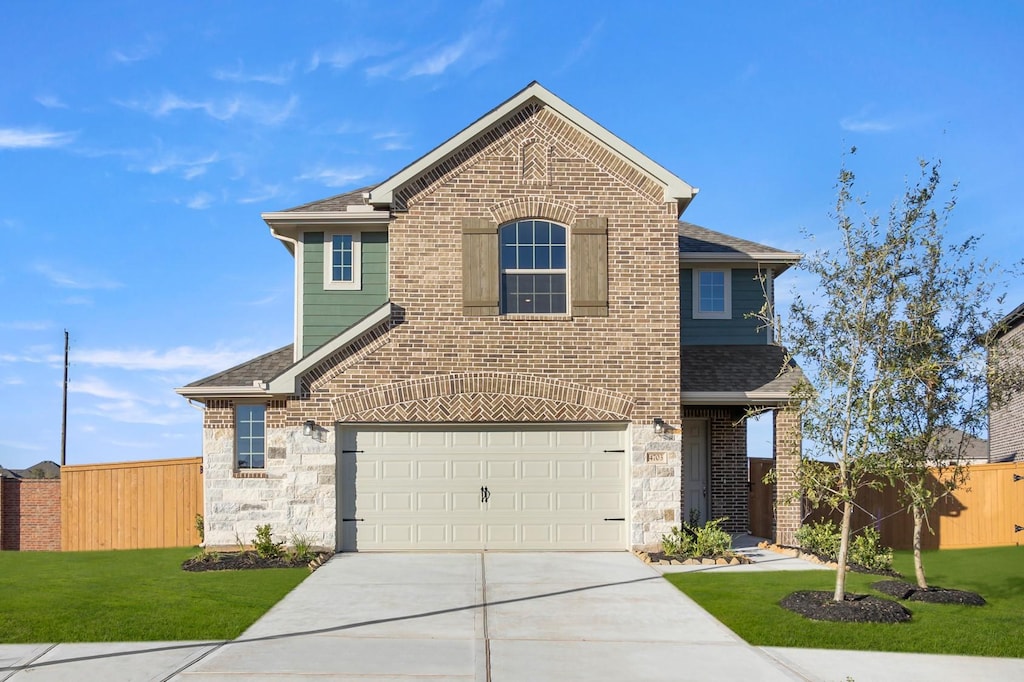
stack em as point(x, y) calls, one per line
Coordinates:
point(844, 550)
point(918, 564)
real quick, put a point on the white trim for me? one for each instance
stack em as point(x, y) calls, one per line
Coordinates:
point(287, 383)
point(734, 397)
point(725, 314)
point(194, 392)
point(356, 283)
point(675, 189)
point(279, 219)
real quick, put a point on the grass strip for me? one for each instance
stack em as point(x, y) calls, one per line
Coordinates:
point(748, 604)
point(130, 595)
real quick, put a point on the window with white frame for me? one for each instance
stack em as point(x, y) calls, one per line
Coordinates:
point(712, 294)
point(342, 260)
point(533, 267)
point(250, 436)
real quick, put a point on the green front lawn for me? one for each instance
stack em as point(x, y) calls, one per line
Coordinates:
point(130, 595)
point(748, 604)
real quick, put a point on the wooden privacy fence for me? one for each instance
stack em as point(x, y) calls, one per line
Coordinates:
point(985, 513)
point(131, 505)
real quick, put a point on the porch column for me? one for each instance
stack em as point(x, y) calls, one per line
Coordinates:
point(786, 453)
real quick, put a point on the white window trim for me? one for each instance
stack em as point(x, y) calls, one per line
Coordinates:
point(357, 261)
point(567, 271)
point(234, 445)
point(699, 314)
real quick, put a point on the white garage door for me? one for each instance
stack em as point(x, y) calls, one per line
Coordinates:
point(494, 488)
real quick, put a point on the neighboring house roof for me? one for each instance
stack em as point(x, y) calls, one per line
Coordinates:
point(44, 469)
point(737, 374)
point(698, 244)
point(676, 189)
point(974, 449)
point(1011, 321)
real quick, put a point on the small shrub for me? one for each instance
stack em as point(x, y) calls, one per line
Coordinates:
point(301, 548)
point(264, 543)
point(201, 527)
point(866, 550)
point(693, 540)
point(820, 538)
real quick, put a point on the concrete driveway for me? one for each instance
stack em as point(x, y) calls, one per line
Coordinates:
point(494, 616)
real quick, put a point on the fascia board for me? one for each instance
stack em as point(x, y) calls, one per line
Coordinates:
point(782, 258)
point(198, 392)
point(734, 397)
point(676, 189)
point(301, 218)
point(287, 383)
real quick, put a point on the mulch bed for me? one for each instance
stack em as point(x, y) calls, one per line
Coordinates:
point(853, 566)
point(933, 595)
point(855, 608)
point(234, 561)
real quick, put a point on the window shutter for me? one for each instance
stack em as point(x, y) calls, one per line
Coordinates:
point(479, 267)
point(589, 266)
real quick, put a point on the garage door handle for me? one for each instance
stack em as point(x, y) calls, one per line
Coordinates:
point(352, 520)
point(617, 519)
point(485, 494)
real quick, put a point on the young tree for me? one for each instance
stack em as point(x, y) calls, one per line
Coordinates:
point(836, 334)
point(935, 351)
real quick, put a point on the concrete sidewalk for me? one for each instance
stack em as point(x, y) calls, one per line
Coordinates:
point(493, 616)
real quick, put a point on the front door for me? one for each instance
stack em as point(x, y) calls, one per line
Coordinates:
point(695, 470)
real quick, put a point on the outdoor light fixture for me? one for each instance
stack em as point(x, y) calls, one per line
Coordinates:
point(659, 425)
point(307, 428)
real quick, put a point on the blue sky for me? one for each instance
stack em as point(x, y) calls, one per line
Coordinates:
point(139, 142)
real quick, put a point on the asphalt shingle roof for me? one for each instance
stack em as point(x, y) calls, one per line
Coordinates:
point(263, 368)
point(737, 368)
point(697, 239)
point(339, 202)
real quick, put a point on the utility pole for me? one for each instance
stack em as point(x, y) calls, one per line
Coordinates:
point(64, 414)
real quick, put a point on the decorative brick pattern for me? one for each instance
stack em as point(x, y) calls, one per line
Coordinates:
point(533, 207)
point(345, 357)
point(481, 397)
point(786, 452)
point(30, 514)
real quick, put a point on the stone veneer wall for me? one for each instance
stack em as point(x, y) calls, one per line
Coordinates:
point(538, 164)
point(30, 514)
point(786, 452)
point(1006, 421)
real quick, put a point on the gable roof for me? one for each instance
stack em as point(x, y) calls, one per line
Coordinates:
point(676, 189)
point(698, 244)
point(1014, 319)
point(247, 377)
point(752, 375)
point(339, 202)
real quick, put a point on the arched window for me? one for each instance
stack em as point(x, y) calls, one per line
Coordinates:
point(533, 267)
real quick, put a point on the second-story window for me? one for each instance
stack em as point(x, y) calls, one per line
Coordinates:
point(712, 294)
point(342, 260)
point(533, 267)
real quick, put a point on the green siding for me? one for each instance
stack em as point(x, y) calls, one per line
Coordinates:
point(325, 314)
point(747, 297)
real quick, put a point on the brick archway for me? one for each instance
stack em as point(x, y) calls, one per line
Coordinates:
point(482, 397)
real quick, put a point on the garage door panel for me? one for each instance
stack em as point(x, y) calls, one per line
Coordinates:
point(549, 488)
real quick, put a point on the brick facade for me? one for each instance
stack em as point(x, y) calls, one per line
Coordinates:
point(428, 365)
point(786, 453)
point(1006, 421)
point(30, 514)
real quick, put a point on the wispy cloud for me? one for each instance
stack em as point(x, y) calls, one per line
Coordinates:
point(99, 388)
point(19, 445)
point(584, 46)
point(341, 58)
point(223, 109)
point(438, 62)
point(27, 325)
point(189, 167)
point(200, 201)
point(392, 140)
point(69, 279)
point(22, 138)
point(51, 101)
point(13, 381)
point(337, 177)
point(180, 358)
point(77, 300)
point(279, 76)
point(867, 125)
point(149, 47)
point(261, 193)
